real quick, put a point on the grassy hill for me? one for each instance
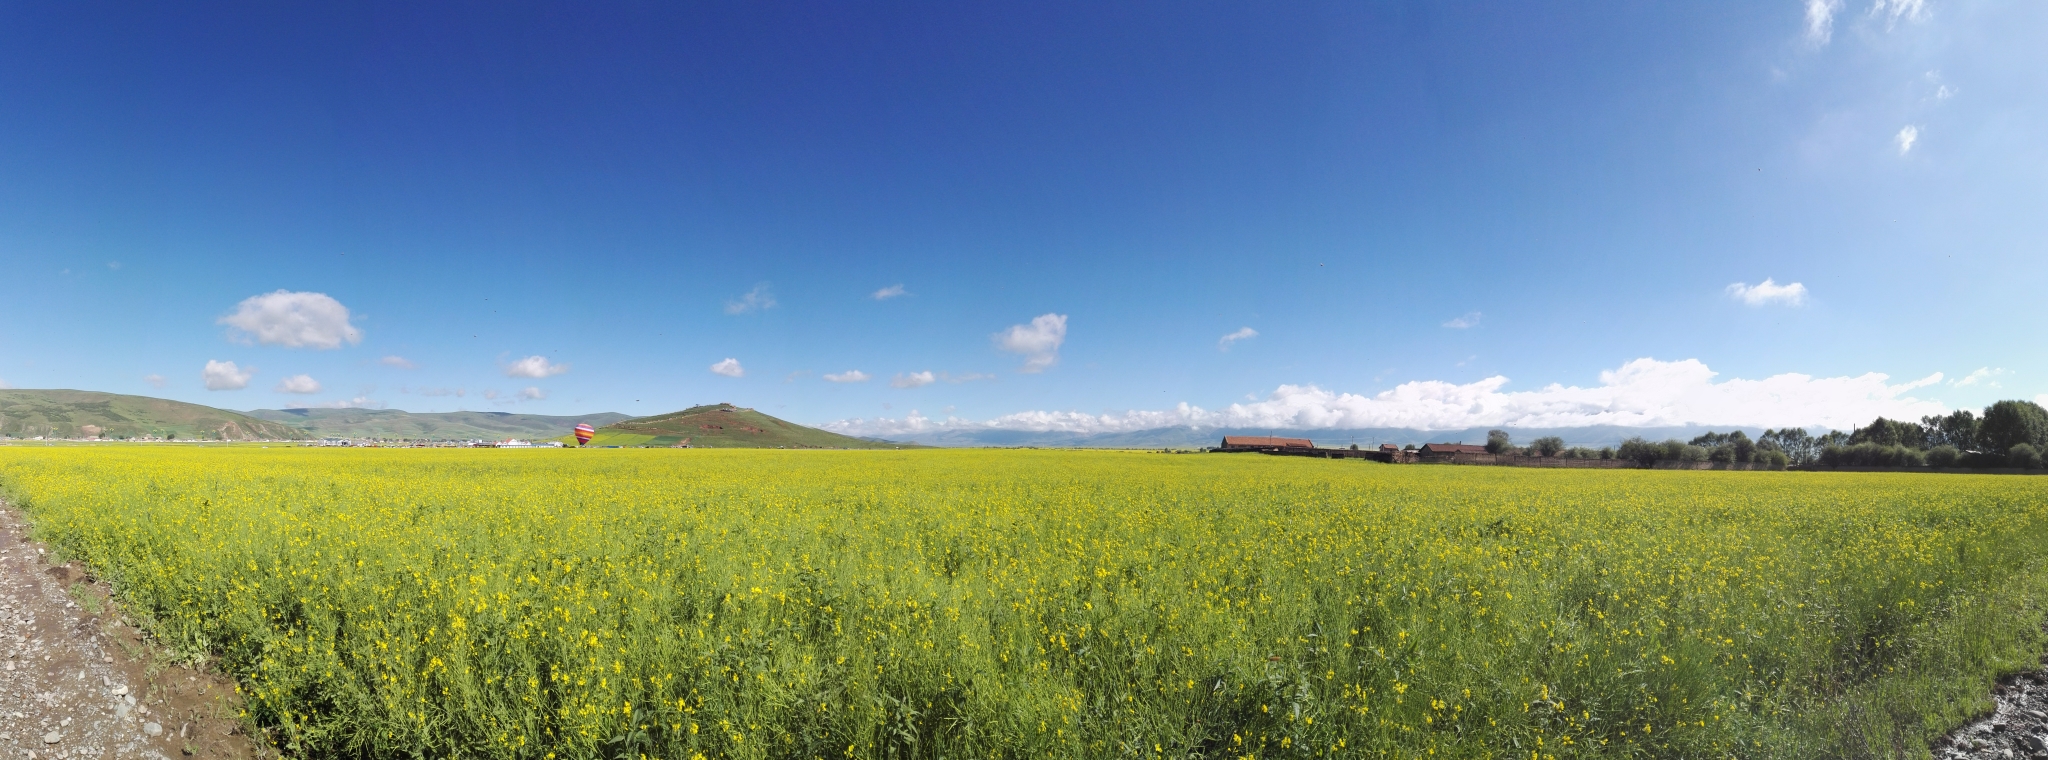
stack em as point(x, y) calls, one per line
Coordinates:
point(91, 414)
point(717, 426)
point(437, 426)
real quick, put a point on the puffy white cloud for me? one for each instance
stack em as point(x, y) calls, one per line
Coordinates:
point(532, 394)
point(890, 292)
point(729, 368)
point(1039, 342)
point(1243, 333)
point(293, 320)
point(395, 360)
point(225, 376)
point(298, 384)
point(535, 367)
point(754, 300)
point(1907, 135)
point(1468, 321)
point(1820, 20)
point(913, 380)
point(1641, 393)
point(849, 376)
point(155, 381)
point(1768, 292)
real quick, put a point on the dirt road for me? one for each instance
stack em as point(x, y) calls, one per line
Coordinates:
point(78, 681)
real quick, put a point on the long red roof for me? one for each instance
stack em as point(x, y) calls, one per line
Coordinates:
point(1265, 441)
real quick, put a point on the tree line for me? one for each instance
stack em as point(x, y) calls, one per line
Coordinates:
point(2007, 434)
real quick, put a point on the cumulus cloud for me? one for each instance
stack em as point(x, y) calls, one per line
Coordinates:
point(1907, 135)
point(535, 367)
point(155, 381)
point(298, 384)
point(849, 376)
point(1983, 375)
point(1641, 393)
point(754, 300)
point(1820, 20)
point(1243, 333)
point(292, 320)
point(1768, 292)
point(395, 360)
point(532, 394)
point(1039, 342)
point(1468, 321)
point(913, 380)
point(225, 376)
point(729, 368)
point(890, 292)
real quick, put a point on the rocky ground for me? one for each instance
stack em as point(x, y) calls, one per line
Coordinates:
point(2017, 730)
point(76, 680)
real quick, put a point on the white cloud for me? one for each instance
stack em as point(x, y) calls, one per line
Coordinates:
point(532, 394)
point(359, 402)
point(1768, 292)
point(1641, 393)
point(967, 378)
point(754, 300)
point(225, 376)
point(1039, 341)
point(395, 360)
point(1983, 375)
point(293, 320)
point(729, 368)
point(1907, 135)
point(1893, 10)
point(1470, 320)
point(535, 367)
point(913, 380)
point(890, 292)
point(1820, 20)
point(298, 384)
point(456, 392)
point(1243, 333)
point(155, 381)
point(849, 376)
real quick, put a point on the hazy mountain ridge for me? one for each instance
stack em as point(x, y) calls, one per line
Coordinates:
point(59, 413)
point(444, 426)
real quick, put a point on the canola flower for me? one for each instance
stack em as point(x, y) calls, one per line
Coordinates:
point(761, 604)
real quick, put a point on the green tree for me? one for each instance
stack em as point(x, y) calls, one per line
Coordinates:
point(1548, 445)
point(1956, 429)
point(1498, 442)
point(2010, 423)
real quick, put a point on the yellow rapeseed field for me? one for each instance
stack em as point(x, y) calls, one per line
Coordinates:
point(766, 604)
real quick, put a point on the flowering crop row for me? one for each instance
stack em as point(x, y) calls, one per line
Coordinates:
point(761, 604)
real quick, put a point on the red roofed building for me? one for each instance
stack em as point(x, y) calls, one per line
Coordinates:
point(1452, 448)
point(1265, 442)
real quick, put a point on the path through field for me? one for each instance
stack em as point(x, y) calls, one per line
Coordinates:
point(76, 681)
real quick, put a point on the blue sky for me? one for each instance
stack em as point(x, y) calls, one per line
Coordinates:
point(1429, 214)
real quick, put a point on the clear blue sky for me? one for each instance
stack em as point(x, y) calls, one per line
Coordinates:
point(1479, 200)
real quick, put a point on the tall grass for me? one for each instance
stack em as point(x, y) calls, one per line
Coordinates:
point(573, 604)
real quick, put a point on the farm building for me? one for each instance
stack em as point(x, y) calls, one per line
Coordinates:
point(1451, 448)
point(1263, 442)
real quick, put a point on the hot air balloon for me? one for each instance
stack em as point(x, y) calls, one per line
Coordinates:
point(583, 433)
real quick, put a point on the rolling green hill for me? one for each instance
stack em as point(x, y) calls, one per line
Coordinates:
point(724, 426)
point(91, 414)
point(438, 426)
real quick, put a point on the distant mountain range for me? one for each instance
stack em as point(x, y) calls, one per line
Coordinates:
point(91, 414)
point(438, 426)
point(722, 426)
point(1592, 437)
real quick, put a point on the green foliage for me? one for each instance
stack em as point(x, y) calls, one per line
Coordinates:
point(1498, 442)
point(1957, 430)
point(1547, 446)
point(2024, 455)
point(760, 604)
point(1872, 455)
point(2010, 423)
point(1884, 432)
point(1943, 456)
